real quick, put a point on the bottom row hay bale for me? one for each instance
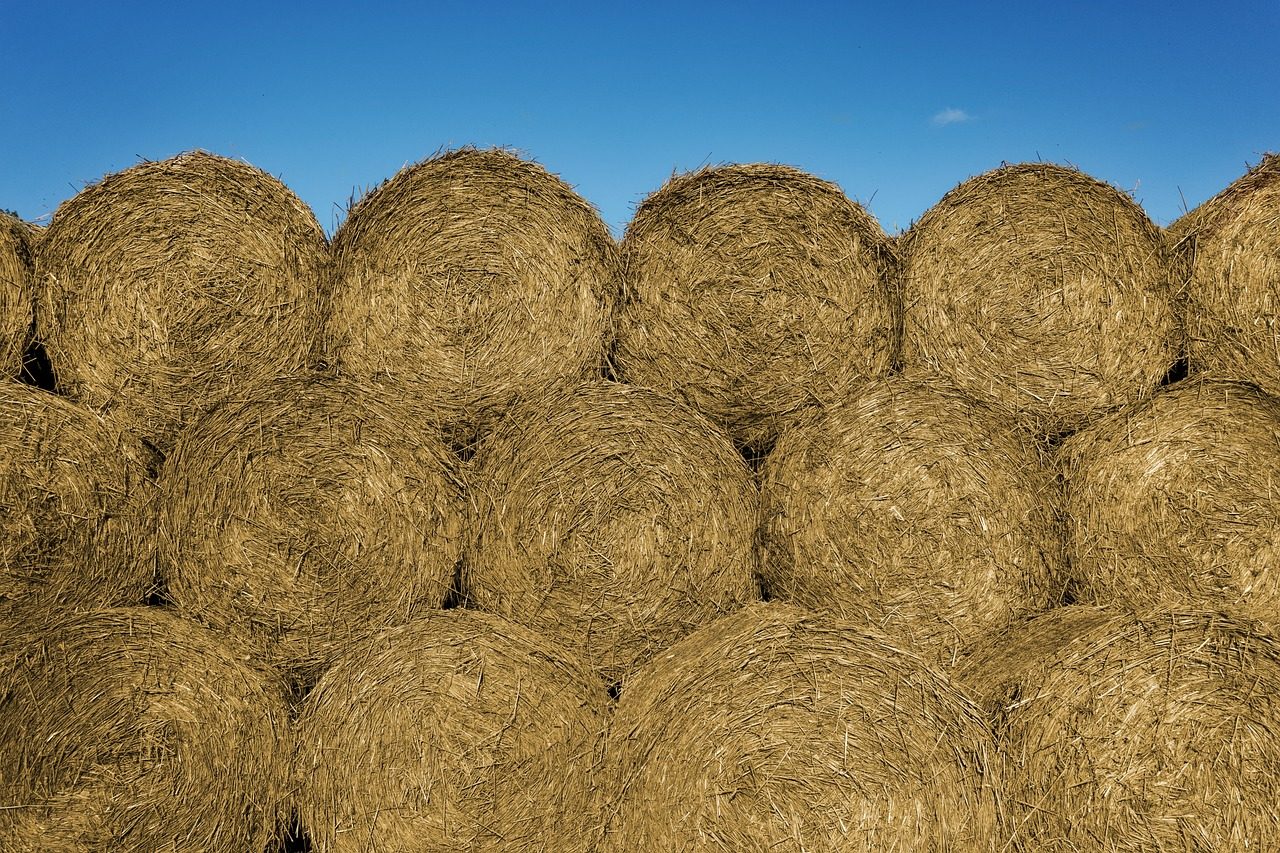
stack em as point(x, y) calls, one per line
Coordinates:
point(133, 731)
point(776, 730)
point(459, 731)
point(1132, 733)
point(913, 507)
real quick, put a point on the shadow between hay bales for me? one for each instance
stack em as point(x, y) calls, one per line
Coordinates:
point(295, 838)
point(1177, 372)
point(37, 370)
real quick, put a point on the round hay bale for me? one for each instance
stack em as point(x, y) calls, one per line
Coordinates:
point(913, 507)
point(477, 276)
point(74, 492)
point(754, 291)
point(1039, 289)
point(306, 511)
point(1136, 734)
point(162, 286)
point(1233, 286)
point(612, 519)
point(16, 238)
point(774, 729)
point(1174, 502)
point(459, 731)
point(133, 730)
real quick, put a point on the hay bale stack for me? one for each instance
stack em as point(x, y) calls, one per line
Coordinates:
point(479, 278)
point(1136, 734)
point(459, 731)
point(1175, 501)
point(777, 730)
point(913, 507)
point(306, 511)
point(74, 493)
point(1039, 289)
point(612, 519)
point(1233, 286)
point(132, 730)
point(164, 285)
point(755, 291)
point(16, 239)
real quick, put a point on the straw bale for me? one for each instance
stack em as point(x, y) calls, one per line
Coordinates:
point(478, 277)
point(612, 519)
point(73, 497)
point(134, 731)
point(163, 285)
point(459, 731)
point(755, 291)
point(1233, 286)
point(1136, 733)
point(913, 507)
point(1176, 501)
point(776, 730)
point(306, 510)
point(16, 238)
point(1039, 289)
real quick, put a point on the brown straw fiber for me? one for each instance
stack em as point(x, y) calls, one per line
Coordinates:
point(1233, 291)
point(913, 507)
point(479, 278)
point(164, 285)
point(457, 732)
point(612, 519)
point(775, 730)
point(308, 510)
point(1154, 734)
point(133, 731)
point(1176, 501)
point(73, 497)
point(755, 291)
point(1039, 289)
point(16, 239)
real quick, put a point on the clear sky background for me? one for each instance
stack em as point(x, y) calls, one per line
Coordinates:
point(895, 101)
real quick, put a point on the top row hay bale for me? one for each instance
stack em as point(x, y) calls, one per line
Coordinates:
point(1039, 289)
point(163, 285)
point(1233, 286)
point(16, 239)
point(478, 277)
point(755, 291)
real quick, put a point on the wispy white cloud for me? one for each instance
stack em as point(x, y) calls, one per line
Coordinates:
point(951, 115)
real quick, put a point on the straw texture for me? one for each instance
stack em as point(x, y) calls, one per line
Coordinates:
point(16, 238)
point(754, 291)
point(479, 278)
point(457, 732)
point(1039, 289)
point(306, 511)
point(775, 730)
point(1147, 734)
point(134, 731)
point(612, 519)
point(915, 508)
point(164, 285)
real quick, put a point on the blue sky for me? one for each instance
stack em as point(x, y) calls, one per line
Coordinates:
point(896, 102)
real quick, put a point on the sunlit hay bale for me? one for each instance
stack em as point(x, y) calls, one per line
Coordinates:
point(74, 491)
point(306, 511)
point(777, 730)
point(478, 277)
point(1136, 734)
point(1233, 287)
point(612, 519)
point(164, 285)
point(754, 291)
point(913, 507)
point(1039, 289)
point(132, 730)
point(16, 238)
point(459, 731)
point(1176, 501)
